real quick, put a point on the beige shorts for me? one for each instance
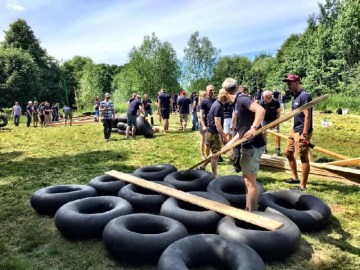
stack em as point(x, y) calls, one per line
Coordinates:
point(293, 144)
point(184, 117)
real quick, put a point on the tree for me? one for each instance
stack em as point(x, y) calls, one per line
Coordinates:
point(153, 65)
point(19, 77)
point(260, 68)
point(21, 36)
point(125, 83)
point(73, 71)
point(236, 67)
point(199, 60)
point(91, 85)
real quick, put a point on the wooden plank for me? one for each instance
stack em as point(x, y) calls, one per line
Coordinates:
point(280, 163)
point(261, 130)
point(345, 162)
point(205, 203)
point(73, 123)
point(312, 146)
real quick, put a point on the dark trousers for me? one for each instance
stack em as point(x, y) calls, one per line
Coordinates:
point(195, 121)
point(16, 120)
point(237, 155)
point(28, 121)
point(107, 123)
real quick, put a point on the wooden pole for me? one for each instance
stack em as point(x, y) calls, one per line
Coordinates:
point(261, 130)
point(221, 208)
point(312, 146)
point(346, 162)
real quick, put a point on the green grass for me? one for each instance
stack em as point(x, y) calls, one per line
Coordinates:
point(32, 158)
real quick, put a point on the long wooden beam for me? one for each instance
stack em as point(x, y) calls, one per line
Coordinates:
point(312, 146)
point(345, 162)
point(261, 130)
point(328, 172)
point(221, 208)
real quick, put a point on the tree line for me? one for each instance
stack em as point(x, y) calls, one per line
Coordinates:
point(326, 55)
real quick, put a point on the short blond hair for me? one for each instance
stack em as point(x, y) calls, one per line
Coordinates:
point(222, 96)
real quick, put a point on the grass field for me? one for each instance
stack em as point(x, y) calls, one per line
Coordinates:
point(32, 158)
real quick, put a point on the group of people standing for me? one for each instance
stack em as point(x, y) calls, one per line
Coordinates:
point(247, 116)
point(36, 112)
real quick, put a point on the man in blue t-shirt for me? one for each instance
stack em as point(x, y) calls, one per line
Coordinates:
point(134, 107)
point(249, 115)
point(301, 133)
point(184, 109)
point(272, 112)
point(164, 103)
point(215, 134)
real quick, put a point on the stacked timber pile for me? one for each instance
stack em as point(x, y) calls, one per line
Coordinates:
point(329, 171)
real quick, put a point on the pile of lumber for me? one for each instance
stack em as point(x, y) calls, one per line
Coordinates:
point(319, 170)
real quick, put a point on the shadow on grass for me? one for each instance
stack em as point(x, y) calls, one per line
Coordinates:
point(335, 235)
point(5, 157)
point(334, 186)
point(79, 168)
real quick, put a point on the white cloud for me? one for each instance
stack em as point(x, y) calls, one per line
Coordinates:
point(14, 5)
point(107, 31)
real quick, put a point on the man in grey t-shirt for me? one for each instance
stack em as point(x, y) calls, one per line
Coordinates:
point(107, 111)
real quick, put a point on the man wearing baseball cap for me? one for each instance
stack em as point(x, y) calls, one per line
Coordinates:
point(300, 134)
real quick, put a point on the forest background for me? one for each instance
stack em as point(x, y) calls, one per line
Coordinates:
point(326, 55)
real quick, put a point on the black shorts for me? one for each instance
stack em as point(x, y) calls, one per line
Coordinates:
point(165, 113)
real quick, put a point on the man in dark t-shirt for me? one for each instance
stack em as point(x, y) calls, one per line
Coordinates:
point(275, 94)
point(258, 95)
point(164, 103)
point(184, 109)
point(205, 106)
point(146, 103)
point(132, 114)
point(215, 134)
point(249, 115)
point(29, 113)
point(301, 133)
point(272, 112)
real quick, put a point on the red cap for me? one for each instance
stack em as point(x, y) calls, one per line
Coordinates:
point(183, 92)
point(292, 78)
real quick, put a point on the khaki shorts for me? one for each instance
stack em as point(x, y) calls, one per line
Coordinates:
point(184, 117)
point(250, 159)
point(293, 144)
point(214, 142)
point(68, 115)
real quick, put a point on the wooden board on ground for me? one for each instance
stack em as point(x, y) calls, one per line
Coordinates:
point(346, 162)
point(249, 217)
point(83, 122)
point(324, 171)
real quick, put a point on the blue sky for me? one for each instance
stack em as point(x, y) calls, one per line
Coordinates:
point(106, 30)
